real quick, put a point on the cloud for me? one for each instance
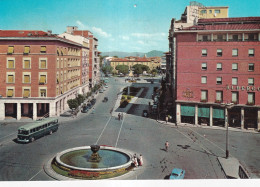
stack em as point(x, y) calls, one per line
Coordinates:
point(140, 42)
point(150, 35)
point(81, 24)
point(100, 32)
point(123, 37)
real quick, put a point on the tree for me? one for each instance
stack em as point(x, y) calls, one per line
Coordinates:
point(154, 72)
point(80, 98)
point(140, 68)
point(107, 69)
point(122, 69)
point(73, 103)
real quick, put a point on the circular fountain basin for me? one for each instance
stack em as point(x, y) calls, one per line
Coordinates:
point(75, 162)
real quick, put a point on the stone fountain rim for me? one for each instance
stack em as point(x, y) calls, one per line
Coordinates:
point(94, 169)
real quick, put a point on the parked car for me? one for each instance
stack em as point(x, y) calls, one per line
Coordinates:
point(89, 105)
point(85, 109)
point(101, 91)
point(105, 99)
point(106, 86)
point(145, 113)
point(177, 173)
point(93, 101)
point(138, 79)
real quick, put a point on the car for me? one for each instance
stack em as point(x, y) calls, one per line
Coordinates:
point(93, 101)
point(177, 174)
point(145, 113)
point(138, 79)
point(89, 105)
point(105, 99)
point(101, 91)
point(106, 86)
point(85, 109)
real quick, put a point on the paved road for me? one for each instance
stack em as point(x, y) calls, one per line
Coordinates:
point(193, 149)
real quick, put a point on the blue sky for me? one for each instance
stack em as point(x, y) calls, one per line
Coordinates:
point(119, 25)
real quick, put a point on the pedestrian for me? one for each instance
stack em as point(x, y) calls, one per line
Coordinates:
point(166, 146)
point(122, 115)
point(119, 116)
point(135, 161)
point(166, 118)
point(140, 160)
point(93, 110)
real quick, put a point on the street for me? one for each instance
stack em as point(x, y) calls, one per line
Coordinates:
point(193, 149)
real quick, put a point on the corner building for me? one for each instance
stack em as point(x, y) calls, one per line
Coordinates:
point(39, 73)
point(217, 61)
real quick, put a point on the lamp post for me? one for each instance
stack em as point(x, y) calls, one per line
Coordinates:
point(228, 106)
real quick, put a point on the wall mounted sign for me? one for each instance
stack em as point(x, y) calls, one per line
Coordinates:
point(187, 93)
point(243, 88)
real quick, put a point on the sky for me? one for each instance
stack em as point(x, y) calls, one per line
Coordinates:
point(119, 25)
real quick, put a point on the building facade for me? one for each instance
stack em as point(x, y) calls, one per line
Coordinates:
point(39, 73)
point(215, 63)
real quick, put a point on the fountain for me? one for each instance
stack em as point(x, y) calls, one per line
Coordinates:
point(92, 162)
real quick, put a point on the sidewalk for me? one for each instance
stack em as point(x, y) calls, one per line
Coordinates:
point(206, 127)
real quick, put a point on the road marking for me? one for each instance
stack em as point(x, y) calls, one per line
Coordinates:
point(194, 142)
point(8, 135)
point(35, 175)
point(103, 130)
point(120, 130)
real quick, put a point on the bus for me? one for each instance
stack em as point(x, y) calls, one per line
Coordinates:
point(31, 131)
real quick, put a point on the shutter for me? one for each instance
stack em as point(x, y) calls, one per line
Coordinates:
point(26, 93)
point(10, 78)
point(43, 79)
point(26, 49)
point(11, 49)
point(26, 79)
point(10, 63)
point(10, 93)
point(27, 64)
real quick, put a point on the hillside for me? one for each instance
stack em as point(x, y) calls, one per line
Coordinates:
point(140, 54)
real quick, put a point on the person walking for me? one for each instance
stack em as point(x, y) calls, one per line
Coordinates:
point(119, 116)
point(93, 111)
point(166, 118)
point(166, 146)
point(122, 115)
point(135, 161)
point(140, 160)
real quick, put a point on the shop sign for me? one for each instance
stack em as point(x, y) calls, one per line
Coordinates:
point(187, 93)
point(243, 88)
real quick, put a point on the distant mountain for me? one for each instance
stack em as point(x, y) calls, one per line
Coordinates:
point(140, 54)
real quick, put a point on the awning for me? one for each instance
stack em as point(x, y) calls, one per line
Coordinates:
point(43, 64)
point(26, 79)
point(42, 79)
point(26, 93)
point(10, 64)
point(43, 49)
point(27, 64)
point(10, 78)
point(188, 111)
point(218, 113)
point(10, 93)
point(203, 112)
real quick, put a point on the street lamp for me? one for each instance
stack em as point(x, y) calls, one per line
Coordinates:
point(228, 106)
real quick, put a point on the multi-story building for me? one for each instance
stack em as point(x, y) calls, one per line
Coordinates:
point(163, 64)
point(39, 72)
point(214, 63)
point(84, 58)
point(94, 59)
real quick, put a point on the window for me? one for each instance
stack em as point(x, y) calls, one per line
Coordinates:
point(26, 79)
point(251, 98)
point(43, 92)
point(26, 50)
point(251, 81)
point(234, 52)
point(234, 80)
point(251, 37)
point(58, 63)
point(205, 38)
point(10, 78)
point(43, 64)
point(251, 52)
point(42, 79)
point(219, 52)
point(203, 79)
point(219, 66)
point(219, 80)
point(26, 92)
point(204, 66)
point(235, 66)
point(235, 37)
point(220, 37)
point(204, 52)
point(10, 50)
point(43, 49)
point(26, 64)
point(251, 67)
point(210, 11)
point(203, 11)
point(235, 97)
point(219, 95)
point(10, 92)
point(58, 52)
point(204, 95)
point(217, 11)
point(10, 64)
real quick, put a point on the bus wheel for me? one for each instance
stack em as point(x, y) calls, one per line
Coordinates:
point(50, 132)
point(32, 139)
